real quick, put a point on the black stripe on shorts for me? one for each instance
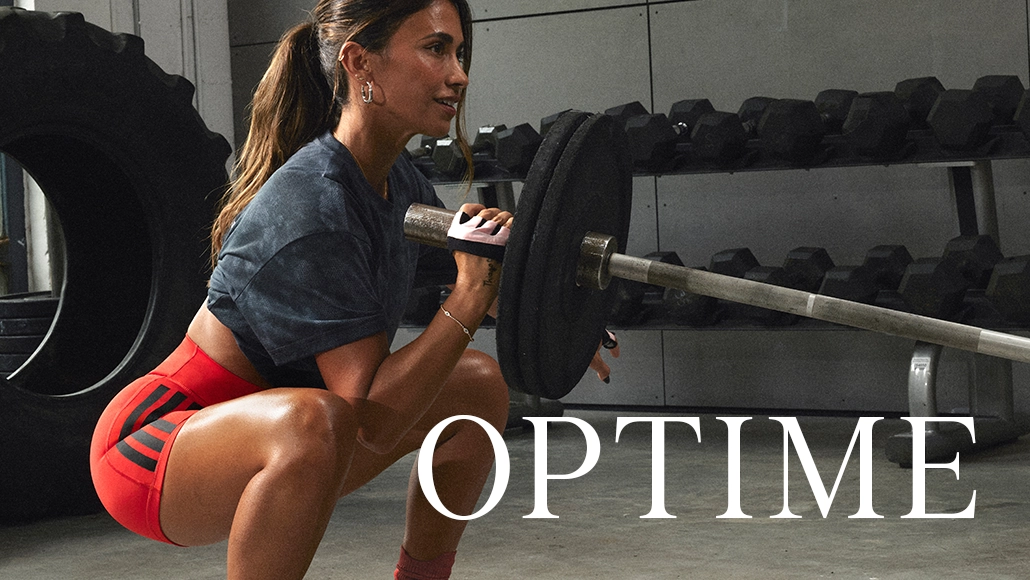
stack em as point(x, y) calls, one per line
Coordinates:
point(170, 405)
point(130, 423)
point(149, 441)
point(136, 457)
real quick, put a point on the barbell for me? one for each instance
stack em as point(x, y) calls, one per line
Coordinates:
point(567, 244)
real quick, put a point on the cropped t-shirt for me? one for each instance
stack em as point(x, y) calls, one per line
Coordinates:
point(318, 260)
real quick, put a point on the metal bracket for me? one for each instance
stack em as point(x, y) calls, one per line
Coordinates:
point(991, 405)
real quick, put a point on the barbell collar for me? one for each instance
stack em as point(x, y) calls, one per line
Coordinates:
point(594, 255)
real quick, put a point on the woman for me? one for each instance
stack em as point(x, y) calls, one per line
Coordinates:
point(226, 438)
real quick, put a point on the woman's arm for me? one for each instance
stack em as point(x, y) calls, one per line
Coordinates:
point(391, 391)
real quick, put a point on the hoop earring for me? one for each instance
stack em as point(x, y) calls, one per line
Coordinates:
point(366, 92)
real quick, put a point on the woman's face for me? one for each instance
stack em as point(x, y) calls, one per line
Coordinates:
point(418, 79)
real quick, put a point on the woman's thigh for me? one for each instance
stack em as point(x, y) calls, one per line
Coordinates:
point(220, 449)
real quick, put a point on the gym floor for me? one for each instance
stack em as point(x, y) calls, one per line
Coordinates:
point(599, 532)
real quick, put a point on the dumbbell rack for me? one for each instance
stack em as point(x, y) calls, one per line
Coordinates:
point(971, 179)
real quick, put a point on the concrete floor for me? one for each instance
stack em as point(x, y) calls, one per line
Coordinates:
point(599, 533)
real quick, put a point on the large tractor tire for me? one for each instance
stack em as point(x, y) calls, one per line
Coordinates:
point(133, 175)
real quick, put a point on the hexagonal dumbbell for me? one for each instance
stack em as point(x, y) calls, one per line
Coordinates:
point(548, 121)
point(933, 287)
point(963, 119)
point(806, 266)
point(877, 125)
point(516, 148)
point(686, 113)
point(718, 137)
point(750, 114)
point(776, 276)
point(1003, 94)
point(652, 141)
point(449, 159)
point(918, 95)
point(936, 286)
point(887, 263)
point(792, 130)
point(834, 105)
point(734, 262)
point(655, 142)
point(689, 309)
point(422, 155)
point(882, 271)
point(741, 263)
point(636, 302)
point(1009, 289)
point(975, 257)
point(713, 136)
point(626, 111)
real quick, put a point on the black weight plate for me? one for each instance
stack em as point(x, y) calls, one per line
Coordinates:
point(561, 323)
point(517, 251)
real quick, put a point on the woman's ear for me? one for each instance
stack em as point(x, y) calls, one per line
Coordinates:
point(355, 60)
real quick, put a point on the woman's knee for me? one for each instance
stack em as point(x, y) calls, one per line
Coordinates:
point(317, 430)
point(481, 388)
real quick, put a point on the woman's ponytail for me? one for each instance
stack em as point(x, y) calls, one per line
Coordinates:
point(292, 105)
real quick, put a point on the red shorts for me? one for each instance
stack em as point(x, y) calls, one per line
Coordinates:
point(134, 437)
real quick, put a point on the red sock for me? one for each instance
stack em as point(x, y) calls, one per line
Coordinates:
point(438, 568)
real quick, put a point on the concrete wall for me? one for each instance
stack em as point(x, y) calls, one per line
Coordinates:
point(536, 57)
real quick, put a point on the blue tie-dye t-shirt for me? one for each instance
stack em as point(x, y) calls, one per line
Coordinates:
point(318, 260)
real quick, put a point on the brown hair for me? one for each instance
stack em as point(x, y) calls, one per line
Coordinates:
point(305, 88)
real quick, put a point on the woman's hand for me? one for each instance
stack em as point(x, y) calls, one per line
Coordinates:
point(477, 274)
point(600, 367)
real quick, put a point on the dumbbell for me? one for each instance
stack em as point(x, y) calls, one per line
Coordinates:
point(635, 302)
point(802, 268)
point(962, 119)
point(425, 148)
point(918, 95)
point(448, 156)
point(791, 130)
point(1003, 94)
point(1009, 289)
point(877, 125)
point(655, 142)
point(513, 149)
point(937, 286)
point(422, 155)
point(881, 272)
point(689, 309)
point(548, 121)
point(750, 114)
point(833, 106)
point(686, 113)
point(806, 266)
point(626, 111)
point(516, 148)
point(693, 127)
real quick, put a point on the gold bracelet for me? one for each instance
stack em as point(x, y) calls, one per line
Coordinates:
point(463, 327)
